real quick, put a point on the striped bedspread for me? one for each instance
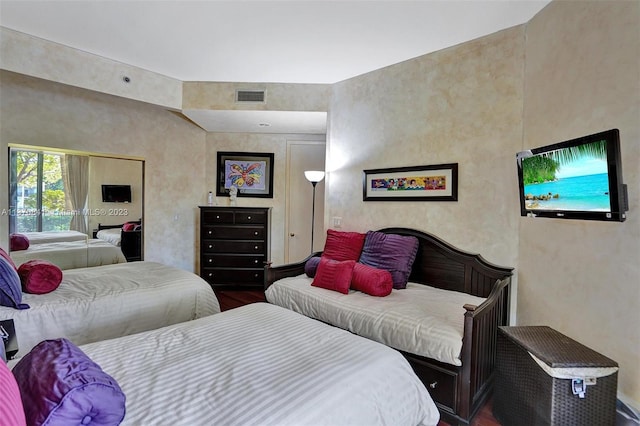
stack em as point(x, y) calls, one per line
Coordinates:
point(421, 320)
point(55, 236)
point(109, 301)
point(71, 254)
point(262, 365)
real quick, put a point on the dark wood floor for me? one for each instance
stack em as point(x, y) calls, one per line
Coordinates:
point(230, 299)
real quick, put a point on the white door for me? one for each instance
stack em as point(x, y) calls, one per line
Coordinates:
point(304, 155)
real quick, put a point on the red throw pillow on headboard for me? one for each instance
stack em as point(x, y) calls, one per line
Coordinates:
point(343, 245)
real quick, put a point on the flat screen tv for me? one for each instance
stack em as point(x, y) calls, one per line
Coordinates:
point(116, 193)
point(575, 179)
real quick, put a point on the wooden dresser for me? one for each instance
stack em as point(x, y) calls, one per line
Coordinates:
point(234, 244)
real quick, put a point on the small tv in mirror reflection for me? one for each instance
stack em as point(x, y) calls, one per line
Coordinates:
point(575, 179)
point(116, 193)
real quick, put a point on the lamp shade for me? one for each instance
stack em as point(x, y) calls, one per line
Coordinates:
point(314, 176)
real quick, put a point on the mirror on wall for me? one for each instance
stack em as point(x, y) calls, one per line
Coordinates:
point(56, 190)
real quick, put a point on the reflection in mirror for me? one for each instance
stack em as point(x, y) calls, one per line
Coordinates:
point(56, 197)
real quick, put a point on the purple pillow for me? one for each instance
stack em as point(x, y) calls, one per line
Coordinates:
point(18, 242)
point(311, 266)
point(61, 385)
point(392, 252)
point(10, 287)
point(8, 258)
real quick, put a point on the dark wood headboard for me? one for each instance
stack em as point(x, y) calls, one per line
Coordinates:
point(441, 265)
point(101, 226)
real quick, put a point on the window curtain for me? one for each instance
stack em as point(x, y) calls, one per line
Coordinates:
point(76, 189)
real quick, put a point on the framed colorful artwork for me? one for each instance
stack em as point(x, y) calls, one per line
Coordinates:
point(417, 183)
point(250, 172)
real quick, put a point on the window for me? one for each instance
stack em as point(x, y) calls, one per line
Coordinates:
point(37, 194)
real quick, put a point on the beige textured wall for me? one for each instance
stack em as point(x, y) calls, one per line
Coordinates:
point(583, 277)
point(461, 105)
point(278, 96)
point(257, 142)
point(38, 112)
point(25, 54)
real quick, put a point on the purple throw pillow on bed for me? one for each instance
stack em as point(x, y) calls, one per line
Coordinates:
point(392, 252)
point(10, 287)
point(311, 266)
point(61, 385)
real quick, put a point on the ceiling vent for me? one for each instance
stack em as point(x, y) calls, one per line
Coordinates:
point(250, 95)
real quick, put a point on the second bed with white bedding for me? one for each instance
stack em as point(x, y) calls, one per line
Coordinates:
point(109, 301)
point(421, 320)
point(71, 254)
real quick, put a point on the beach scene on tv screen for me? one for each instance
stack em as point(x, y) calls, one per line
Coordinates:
point(567, 179)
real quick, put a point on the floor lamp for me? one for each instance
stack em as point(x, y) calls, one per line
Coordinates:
point(313, 176)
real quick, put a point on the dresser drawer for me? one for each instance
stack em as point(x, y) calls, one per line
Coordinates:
point(250, 217)
point(224, 246)
point(441, 384)
point(234, 232)
point(240, 277)
point(232, 261)
point(211, 217)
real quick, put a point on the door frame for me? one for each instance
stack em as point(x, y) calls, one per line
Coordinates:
point(287, 203)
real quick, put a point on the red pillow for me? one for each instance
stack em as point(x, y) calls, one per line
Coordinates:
point(128, 226)
point(343, 245)
point(370, 280)
point(334, 275)
point(11, 409)
point(39, 276)
point(8, 259)
point(18, 242)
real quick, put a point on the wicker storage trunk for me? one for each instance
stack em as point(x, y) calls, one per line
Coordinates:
point(535, 371)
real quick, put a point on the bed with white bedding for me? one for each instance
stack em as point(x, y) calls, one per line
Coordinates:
point(71, 254)
point(104, 302)
point(54, 236)
point(111, 235)
point(421, 320)
point(447, 330)
point(262, 365)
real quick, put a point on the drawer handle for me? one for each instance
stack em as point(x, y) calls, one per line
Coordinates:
point(210, 274)
point(210, 246)
point(210, 232)
point(433, 385)
point(255, 276)
point(255, 233)
point(217, 216)
point(255, 261)
point(248, 217)
point(210, 260)
point(255, 248)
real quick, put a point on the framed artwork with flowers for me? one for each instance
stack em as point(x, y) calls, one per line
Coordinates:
point(251, 173)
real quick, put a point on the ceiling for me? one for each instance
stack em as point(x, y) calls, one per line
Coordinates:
point(294, 41)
